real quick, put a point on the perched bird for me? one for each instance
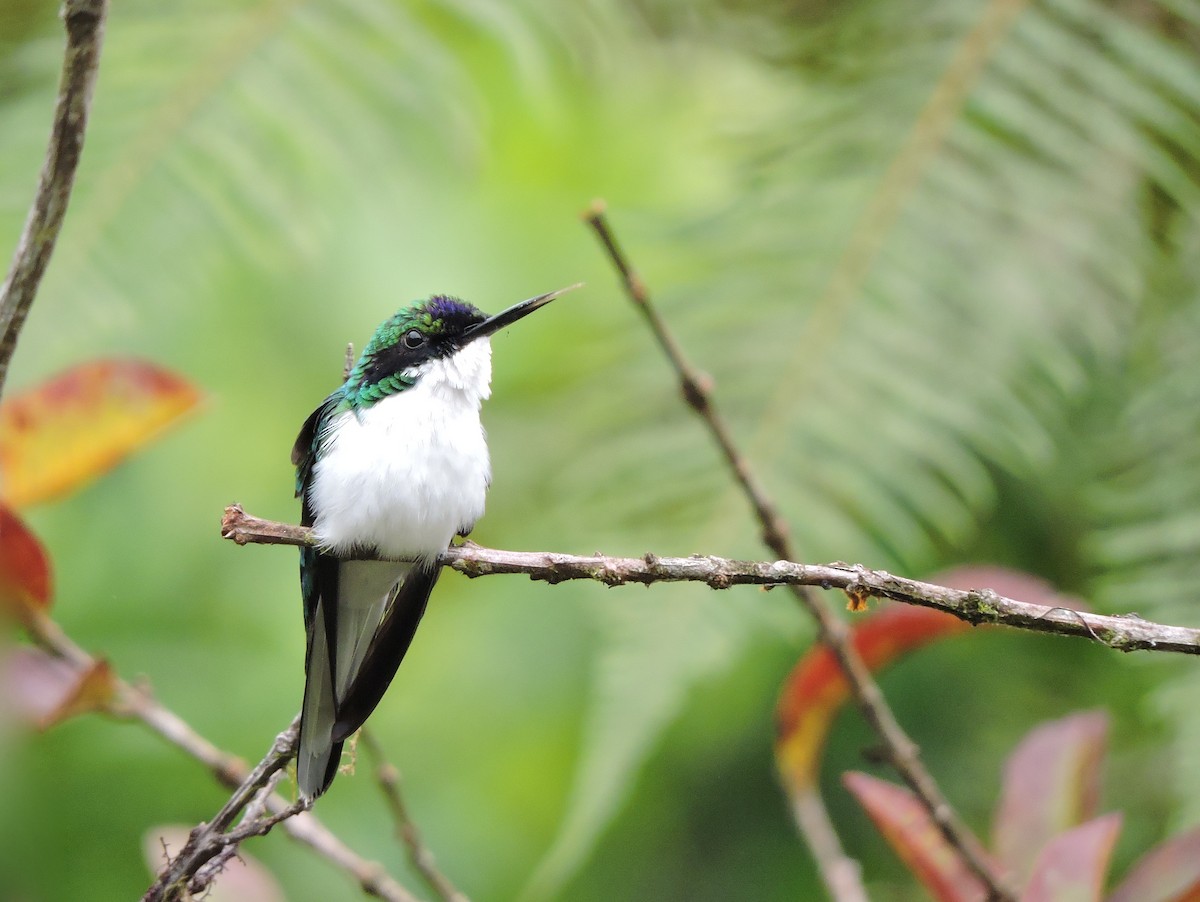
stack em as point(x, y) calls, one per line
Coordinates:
point(393, 464)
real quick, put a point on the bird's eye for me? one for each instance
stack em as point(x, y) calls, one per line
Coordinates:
point(413, 339)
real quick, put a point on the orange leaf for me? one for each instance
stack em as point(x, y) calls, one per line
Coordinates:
point(47, 690)
point(59, 435)
point(816, 688)
point(911, 832)
point(25, 579)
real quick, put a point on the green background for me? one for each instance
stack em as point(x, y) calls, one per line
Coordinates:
point(950, 320)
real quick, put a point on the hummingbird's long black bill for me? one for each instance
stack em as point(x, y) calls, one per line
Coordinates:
point(513, 313)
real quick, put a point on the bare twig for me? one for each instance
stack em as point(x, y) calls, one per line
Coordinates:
point(975, 606)
point(177, 879)
point(419, 854)
point(84, 21)
point(696, 388)
point(254, 818)
point(134, 702)
point(902, 751)
point(842, 874)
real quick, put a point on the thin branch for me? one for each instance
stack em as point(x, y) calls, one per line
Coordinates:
point(255, 821)
point(975, 606)
point(696, 388)
point(84, 21)
point(842, 875)
point(176, 880)
point(387, 775)
point(902, 751)
point(135, 702)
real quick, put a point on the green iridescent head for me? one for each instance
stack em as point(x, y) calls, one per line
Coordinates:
point(425, 330)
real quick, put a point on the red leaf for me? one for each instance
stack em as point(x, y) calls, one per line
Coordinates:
point(1073, 866)
point(63, 433)
point(25, 579)
point(1169, 872)
point(46, 690)
point(911, 832)
point(1051, 783)
point(815, 689)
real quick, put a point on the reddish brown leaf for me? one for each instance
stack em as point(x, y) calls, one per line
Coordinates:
point(63, 433)
point(911, 832)
point(1073, 866)
point(25, 579)
point(816, 688)
point(1169, 872)
point(45, 690)
point(1051, 783)
point(242, 878)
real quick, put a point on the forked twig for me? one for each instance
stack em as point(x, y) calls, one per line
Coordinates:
point(210, 844)
point(135, 703)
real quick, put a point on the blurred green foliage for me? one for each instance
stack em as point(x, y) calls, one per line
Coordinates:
point(992, 359)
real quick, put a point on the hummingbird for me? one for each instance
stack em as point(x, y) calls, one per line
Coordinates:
point(391, 466)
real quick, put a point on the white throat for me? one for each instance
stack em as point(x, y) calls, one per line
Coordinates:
point(407, 473)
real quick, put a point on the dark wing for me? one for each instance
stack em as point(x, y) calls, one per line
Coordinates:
point(387, 649)
point(318, 754)
point(315, 575)
point(312, 435)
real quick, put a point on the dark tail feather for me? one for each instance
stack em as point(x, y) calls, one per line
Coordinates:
point(386, 651)
point(318, 753)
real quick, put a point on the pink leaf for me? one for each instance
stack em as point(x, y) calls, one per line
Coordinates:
point(1170, 872)
point(911, 832)
point(45, 690)
point(1073, 866)
point(1051, 783)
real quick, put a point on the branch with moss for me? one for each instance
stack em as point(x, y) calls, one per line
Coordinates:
point(975, 606)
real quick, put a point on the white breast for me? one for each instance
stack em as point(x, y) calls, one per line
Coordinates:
point(407, 473)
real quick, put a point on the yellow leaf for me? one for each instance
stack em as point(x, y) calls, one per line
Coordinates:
point(63, 433)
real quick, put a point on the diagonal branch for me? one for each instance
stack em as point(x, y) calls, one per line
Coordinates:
point(132, 702)
point(419, 854)
point(839, 874)
point(84, 21)
point(179, 877)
